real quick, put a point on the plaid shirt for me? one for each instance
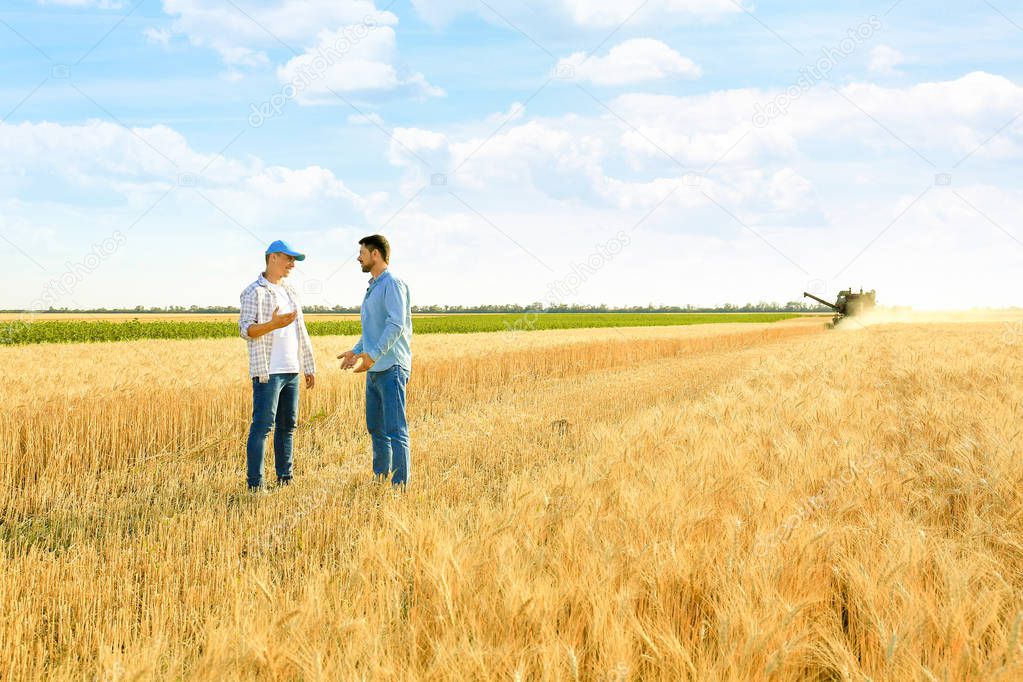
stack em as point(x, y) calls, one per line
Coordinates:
point(257, 306)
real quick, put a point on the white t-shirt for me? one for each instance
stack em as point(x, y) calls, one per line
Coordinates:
point(284, 347)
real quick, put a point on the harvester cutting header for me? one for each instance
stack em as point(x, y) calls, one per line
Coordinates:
point(849, 303)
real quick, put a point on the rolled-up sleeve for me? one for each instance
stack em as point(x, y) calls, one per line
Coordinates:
point(248, 313)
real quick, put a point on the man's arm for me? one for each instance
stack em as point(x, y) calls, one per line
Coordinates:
point(276, 322)
point(306, 344)
point(249, 329)
point(350, 357)
point(248, 311)
point(394, 320)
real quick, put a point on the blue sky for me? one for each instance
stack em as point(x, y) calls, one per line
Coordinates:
point(504, 145)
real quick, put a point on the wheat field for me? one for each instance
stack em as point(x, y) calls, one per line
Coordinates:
point(740, 502)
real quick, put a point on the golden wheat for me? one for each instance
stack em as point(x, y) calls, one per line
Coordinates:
point(725, 502)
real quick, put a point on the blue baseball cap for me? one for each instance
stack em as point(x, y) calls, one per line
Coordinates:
point(281, 246)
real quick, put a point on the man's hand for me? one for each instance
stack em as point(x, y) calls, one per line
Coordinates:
point(367, 362)
point(279, 321)
point(348, 359)
point(276, 322)
point(310, 380)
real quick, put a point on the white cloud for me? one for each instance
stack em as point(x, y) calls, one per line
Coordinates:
point(365, 119)
point(302, 184)
point(943, 120)
point(66, 187)
point(611, 13)
point(633, 61)
point(884, 59)
point(106, 165)
point(355, 58)
point(814, 187)
point(515, 112)
point(158, 36)
point(241, 31)
point(343, 46)
point(596, 14)
point(421, 153)
point(938, 254)
point(650, 139)
point(236, 55)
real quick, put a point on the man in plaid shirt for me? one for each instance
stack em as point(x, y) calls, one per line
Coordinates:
point(279, 350)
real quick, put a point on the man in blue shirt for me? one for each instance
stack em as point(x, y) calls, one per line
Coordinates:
point(384, 353)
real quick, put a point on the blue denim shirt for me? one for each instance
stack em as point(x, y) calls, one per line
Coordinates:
point(386, 323)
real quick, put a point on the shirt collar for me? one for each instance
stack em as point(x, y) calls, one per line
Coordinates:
point(264, 282)
point(374, 280)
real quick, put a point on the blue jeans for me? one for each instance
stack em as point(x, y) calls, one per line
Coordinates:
point(274, 406)
point(385, 420)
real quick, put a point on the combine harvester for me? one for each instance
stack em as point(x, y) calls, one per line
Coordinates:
point(848, 304)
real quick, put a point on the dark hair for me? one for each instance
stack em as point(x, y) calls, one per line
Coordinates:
point(378, 242)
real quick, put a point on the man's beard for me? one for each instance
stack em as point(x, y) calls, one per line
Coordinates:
point(367, 268)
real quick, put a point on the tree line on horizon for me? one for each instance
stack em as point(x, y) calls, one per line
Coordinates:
point(538, 307)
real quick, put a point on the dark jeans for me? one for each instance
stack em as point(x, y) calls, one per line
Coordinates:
point(274, 406)
point(385, 420)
